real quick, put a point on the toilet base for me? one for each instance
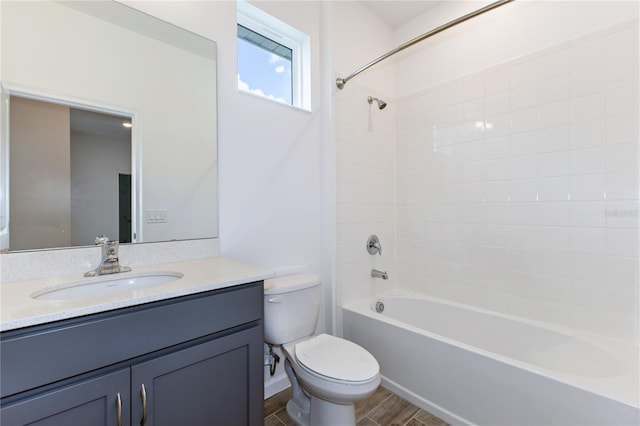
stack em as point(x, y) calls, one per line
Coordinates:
point(298, 416)
point(325, 413)
point(322, 413)
point(299, 406)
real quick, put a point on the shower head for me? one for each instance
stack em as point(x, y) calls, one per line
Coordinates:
point(380, 102)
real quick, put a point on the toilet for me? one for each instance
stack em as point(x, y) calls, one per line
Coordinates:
point(327, 374)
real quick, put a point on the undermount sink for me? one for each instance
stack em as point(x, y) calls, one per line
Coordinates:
point(103, 285)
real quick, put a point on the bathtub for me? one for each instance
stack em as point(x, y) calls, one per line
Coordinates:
point(471, 366)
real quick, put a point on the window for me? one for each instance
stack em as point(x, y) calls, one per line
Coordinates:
point(264, 66)
point(273, 58)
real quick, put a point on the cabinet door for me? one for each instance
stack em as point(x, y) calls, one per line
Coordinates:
point(219, 382)
point(96, 401)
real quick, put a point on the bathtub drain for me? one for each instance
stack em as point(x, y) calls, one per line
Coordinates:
point(379, 307)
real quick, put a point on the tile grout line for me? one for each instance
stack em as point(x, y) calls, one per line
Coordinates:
point(275, 417)
point(374, 408)
point(282, 410)
point(371, 420)
point(415, 418)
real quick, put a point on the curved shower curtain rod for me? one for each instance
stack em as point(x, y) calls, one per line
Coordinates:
point(340, 82)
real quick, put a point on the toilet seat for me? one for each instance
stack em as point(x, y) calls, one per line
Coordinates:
point(337, 360)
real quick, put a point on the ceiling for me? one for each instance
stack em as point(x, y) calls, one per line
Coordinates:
point(396, 13)
point(98, 124)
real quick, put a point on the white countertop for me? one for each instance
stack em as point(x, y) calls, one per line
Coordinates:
point(19, 309)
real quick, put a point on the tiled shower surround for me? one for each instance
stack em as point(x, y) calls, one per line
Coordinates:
point(365, 194)
point(517, 187)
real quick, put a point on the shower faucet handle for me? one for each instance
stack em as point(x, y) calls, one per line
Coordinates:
point(374, 246)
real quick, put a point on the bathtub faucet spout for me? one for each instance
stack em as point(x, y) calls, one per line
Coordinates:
point(379, 274)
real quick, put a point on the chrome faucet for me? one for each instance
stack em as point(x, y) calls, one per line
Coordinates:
point(379, 274)
point(110, 264)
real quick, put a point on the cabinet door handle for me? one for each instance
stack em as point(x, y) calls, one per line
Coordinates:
point(119, 408)
point(143, 393)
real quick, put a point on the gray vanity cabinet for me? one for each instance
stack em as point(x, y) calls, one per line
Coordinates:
point(194, 360)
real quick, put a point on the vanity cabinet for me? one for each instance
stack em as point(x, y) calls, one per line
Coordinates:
point(193, 360)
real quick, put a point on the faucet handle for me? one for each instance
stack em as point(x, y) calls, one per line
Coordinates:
point(101, 240)
point(111, 248)
point(373, 245)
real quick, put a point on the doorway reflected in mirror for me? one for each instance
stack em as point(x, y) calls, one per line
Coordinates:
point(70, 175)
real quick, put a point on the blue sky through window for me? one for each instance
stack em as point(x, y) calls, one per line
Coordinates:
point(264, 73)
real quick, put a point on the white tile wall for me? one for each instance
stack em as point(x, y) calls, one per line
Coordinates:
point(517, 188)
point(366, 191)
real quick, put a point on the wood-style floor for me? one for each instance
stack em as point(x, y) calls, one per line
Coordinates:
point(383, 408)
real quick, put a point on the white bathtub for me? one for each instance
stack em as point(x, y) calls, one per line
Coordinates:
point(471, 366)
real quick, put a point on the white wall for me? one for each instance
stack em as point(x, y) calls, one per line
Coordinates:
point(517, 179)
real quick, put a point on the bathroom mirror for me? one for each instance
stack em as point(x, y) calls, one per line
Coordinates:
point(102, 58)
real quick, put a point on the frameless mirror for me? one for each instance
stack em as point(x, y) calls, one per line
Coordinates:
point(101, 63)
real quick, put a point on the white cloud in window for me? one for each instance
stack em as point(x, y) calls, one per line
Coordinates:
point(246, 88)
point(280, 69)
point(242, 85)
point(273, 58)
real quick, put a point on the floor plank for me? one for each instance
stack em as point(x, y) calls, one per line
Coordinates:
point(383, 408)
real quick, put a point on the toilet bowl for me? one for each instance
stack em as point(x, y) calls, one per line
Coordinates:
point(327, 374)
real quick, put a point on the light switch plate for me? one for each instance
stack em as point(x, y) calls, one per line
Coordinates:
point(157, 216)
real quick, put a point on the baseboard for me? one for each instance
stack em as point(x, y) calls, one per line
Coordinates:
point(275, 386)
point(425, 404)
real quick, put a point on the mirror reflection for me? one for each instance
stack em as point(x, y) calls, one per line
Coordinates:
point(70, 176)
point(105, 63)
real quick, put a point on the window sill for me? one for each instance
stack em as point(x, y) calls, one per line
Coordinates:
point(274, 101)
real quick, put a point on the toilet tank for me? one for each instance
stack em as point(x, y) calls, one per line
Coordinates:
point(291, 307)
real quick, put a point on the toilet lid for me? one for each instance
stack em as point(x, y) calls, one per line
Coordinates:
point(337, 358)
